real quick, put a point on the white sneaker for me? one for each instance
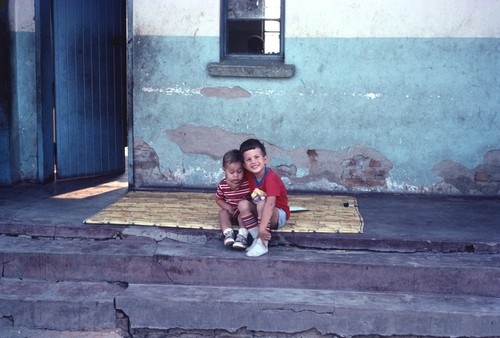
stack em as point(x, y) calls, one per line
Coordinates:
point(228, 237)
point(258, 250)
point(254, 242)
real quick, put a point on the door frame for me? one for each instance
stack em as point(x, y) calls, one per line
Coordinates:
point(45, 92)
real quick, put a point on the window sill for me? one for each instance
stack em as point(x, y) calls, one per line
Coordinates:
point(251, 68)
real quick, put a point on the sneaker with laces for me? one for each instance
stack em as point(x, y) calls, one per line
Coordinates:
point(228, 237)
point(240, 243)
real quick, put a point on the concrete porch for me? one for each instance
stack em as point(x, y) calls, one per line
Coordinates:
point(425, 266)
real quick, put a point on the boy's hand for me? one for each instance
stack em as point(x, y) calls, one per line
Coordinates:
point(264, 234)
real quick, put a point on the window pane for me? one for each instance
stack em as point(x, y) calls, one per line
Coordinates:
point(272, 26)
point(252, 27)
point(245, 36)
point(245, 9)
point(273, 9)
point(272, 45)
point(253, 9)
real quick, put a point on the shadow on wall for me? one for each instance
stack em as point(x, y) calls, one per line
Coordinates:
point(484, 179)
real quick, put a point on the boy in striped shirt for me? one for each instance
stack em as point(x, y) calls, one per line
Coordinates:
point(230, 191)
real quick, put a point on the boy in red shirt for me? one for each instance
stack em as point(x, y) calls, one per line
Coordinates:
point(269, 209)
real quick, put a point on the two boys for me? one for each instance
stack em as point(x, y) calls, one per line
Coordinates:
point(268, 209)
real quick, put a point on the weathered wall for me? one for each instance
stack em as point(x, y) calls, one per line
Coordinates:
point(5, 173)
point(18, 119)
point(387, 96)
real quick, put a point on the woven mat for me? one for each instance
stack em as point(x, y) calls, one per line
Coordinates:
point(325, 214)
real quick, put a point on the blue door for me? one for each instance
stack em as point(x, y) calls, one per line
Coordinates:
point(89, 87)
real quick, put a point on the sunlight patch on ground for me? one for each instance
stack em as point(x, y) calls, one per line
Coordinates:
point(93, 191)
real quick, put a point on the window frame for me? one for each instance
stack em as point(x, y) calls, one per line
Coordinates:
point(269, 66)
point(225, 56)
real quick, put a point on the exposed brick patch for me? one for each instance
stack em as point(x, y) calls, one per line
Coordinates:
point(364, 171)
point(287, 171)
point(147, 164)
point(145, 157)
point(484, 179)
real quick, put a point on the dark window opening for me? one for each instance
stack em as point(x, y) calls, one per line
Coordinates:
point(252, 28)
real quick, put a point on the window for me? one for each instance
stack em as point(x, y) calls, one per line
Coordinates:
point(252, 40)
point(252, 28)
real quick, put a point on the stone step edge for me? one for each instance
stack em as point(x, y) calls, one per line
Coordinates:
point(284, 310)
point(305, 240)
point(142, 260)
point(46, 305)
point(94, 306)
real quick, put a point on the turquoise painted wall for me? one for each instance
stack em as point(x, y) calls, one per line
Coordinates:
point(385, 83)
point(418, 101)
point(18, 106)
point(24, 151)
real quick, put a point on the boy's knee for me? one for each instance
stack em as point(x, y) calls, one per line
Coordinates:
point(244, 205)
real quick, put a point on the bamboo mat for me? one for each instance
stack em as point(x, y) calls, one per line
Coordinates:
point(324, 214)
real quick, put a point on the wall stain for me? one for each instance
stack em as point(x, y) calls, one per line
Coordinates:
point(213, 142)
point(483, 179)
point(357, 167)
point(147, 165)
point(225, 92)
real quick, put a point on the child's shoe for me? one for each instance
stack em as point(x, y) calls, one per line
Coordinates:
point(253, 242)
point(258, 250)
point(228, 237)
point(240, 243)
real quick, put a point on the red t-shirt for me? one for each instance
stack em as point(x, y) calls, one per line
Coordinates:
point(272, 185)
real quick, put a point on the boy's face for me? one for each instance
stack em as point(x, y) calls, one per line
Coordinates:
point(234, 173)
point(255, 162)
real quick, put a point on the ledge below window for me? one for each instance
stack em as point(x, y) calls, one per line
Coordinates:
point(250, 68)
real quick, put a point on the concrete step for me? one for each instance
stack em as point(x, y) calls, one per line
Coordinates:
point(160, 308)
point(343, 313)
point(57, 305)
point(389, 242)
point(203, 261)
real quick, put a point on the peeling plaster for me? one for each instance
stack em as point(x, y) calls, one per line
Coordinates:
point(147, 165)
point(238, 92)
point(357, 167)
point(212, 142)
point(483, 179)
point(225, 92)
point(372, 96)
point(235, 92)
point(177, 90)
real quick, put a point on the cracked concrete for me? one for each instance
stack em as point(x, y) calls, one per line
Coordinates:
point(160, 234)
point(394, 223)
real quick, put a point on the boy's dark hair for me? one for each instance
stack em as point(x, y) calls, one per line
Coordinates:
point(232, 156)
point(252, 144)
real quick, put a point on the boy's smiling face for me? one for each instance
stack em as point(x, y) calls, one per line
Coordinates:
point(255, 162)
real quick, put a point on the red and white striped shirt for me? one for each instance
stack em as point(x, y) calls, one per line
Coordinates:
point(230, 196)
